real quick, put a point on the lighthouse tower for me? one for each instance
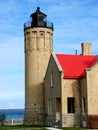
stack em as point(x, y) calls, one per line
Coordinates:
point(38, 47)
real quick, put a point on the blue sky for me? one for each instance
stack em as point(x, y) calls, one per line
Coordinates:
point(75, 21)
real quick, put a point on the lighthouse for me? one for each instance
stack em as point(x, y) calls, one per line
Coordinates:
point(38, 41)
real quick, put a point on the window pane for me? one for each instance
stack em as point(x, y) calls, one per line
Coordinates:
point(49, 107)
point(70, 105)
point(52, 79)
point(58, 104)
point(83, 105)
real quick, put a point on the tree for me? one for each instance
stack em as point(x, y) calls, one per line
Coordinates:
point(2, 118)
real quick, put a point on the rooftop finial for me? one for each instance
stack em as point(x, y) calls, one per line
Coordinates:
point(38, 8)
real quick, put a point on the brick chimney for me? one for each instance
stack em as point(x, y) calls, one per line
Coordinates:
point(86, 48)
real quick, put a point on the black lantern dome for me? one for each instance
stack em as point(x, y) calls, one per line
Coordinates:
point(38, 19)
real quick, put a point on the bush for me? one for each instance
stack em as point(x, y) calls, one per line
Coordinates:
point(92, 121)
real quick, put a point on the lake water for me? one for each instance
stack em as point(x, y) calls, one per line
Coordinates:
point(17, 114)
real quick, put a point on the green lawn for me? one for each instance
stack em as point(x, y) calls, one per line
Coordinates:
point(72, 129)
point(21, 127)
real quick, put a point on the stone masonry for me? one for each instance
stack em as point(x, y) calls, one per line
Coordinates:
point(38, 47)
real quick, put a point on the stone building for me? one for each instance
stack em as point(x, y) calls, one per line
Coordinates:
point(70, 88)
point(60, 89)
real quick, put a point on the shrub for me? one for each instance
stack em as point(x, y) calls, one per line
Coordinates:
point(92, 121)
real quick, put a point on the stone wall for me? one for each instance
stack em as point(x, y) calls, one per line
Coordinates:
point(71, 120)
point(38, 48)
point(53, 92)
point(92, 90)
point(71, 88)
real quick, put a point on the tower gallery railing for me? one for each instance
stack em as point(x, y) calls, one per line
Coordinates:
point(46, 24)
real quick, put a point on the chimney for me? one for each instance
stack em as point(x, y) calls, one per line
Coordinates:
point(86, 48)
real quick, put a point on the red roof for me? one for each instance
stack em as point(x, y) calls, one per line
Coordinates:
point(74, 65)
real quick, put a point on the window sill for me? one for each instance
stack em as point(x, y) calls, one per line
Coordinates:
point(71, 113)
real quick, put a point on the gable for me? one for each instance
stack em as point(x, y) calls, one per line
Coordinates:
point(53, 60)
point(52, 82)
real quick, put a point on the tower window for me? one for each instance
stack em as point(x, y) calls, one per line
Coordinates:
point(70, 105)
point(34, 32)
point(52, 79)
point(41, 33)
point(27, 33)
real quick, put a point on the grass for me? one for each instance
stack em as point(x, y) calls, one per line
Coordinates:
point(72, 128)
point(22, 127)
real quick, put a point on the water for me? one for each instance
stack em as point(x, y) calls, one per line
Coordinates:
point(17, 114)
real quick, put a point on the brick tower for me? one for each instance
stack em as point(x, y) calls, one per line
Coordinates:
point(38, 47)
